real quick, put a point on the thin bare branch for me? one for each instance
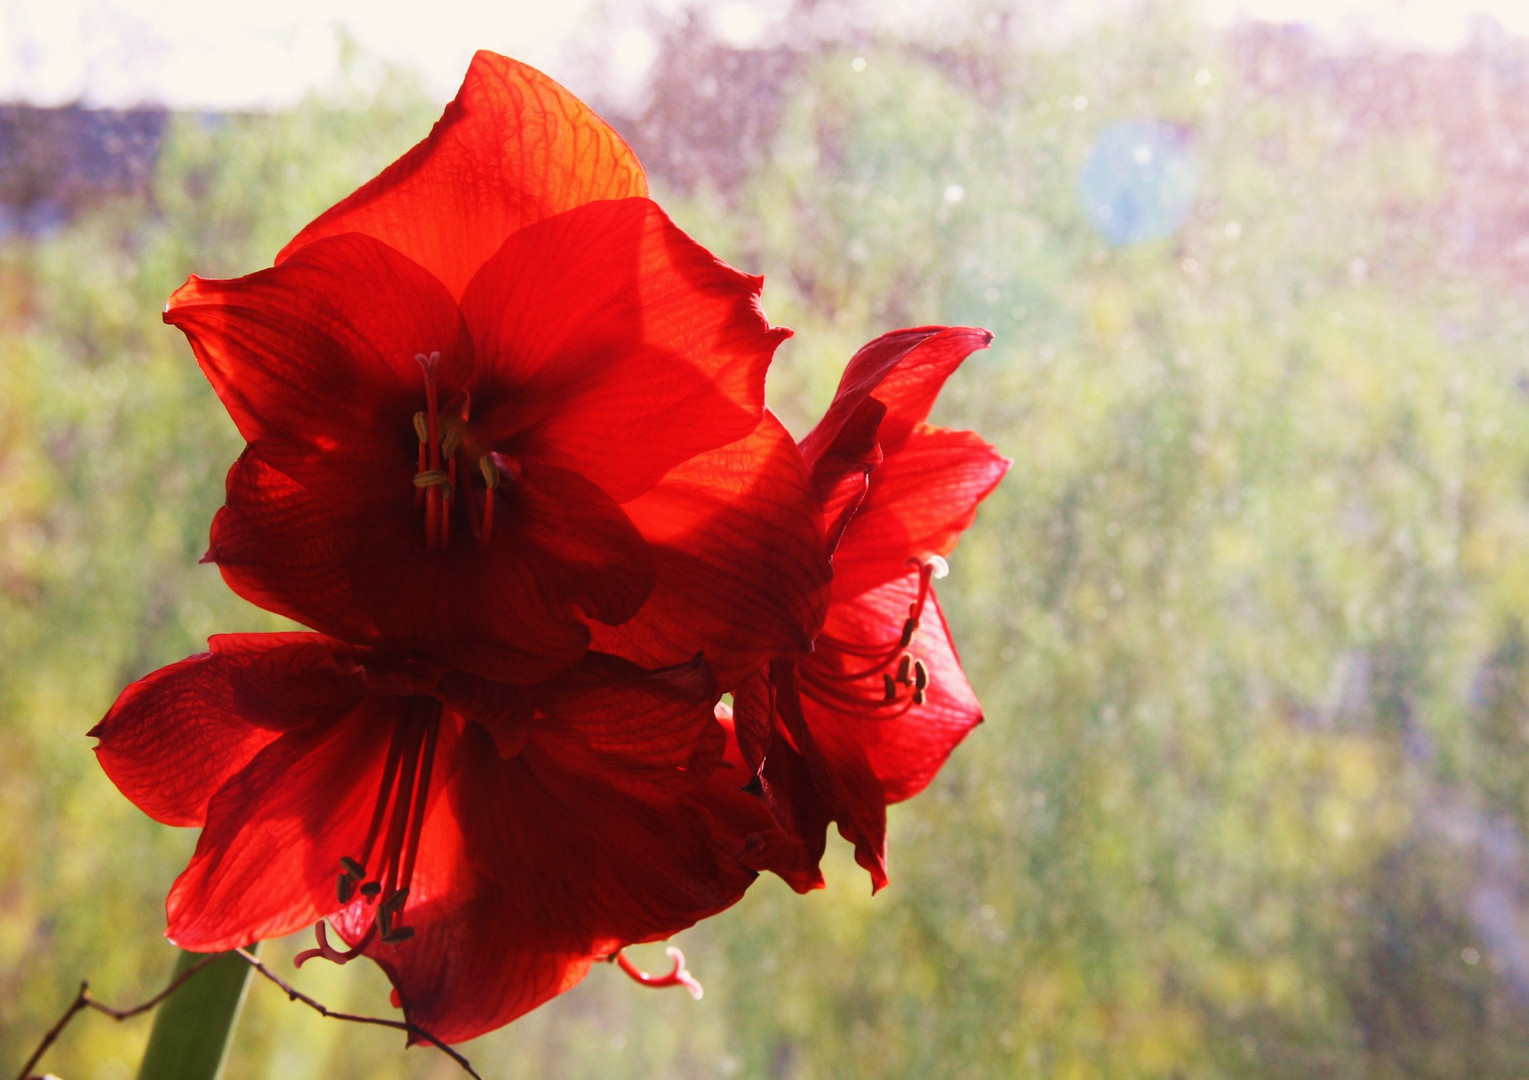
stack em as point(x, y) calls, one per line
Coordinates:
point(83, 1000)
point(294, 994)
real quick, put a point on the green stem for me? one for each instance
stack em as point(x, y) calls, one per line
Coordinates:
point(194, 1026)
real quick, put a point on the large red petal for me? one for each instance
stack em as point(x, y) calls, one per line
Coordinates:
point(903, 749)
point(766, 790)
point(919, 502)
point(741, 568)
point(507, 610)
point(841, 776)
point(656, 725)
point(512, 148)
point(612, 344)
point(267, 858)
point(315, 360)
point(904, 369)
point(546, 861)
point(174, 737)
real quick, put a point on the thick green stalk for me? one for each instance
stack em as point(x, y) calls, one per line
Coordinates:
point(195, 1024)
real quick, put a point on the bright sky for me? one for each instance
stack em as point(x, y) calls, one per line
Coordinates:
point(261, 53)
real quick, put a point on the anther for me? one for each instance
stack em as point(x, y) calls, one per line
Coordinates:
point(353, 868)
point(432, 478)
point(450, 441)
point(489, 470)
point(345, 888)
point(889, 689)
point(422, 427)
point(920, 676)
point(370, 889)
point(908, 627)
point(397, 934)
point(902, 668)
point(918, 697)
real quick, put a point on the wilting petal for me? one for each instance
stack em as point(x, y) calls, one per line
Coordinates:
point(512, 148)
point(177, 735)
point(543, 866)
point(314, 360)
point(904, 370)
point(741, 570)
point(612, 344)
point(920, 501)
point(266, 861)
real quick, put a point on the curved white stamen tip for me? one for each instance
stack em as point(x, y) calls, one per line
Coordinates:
point(683, 977)
point(938, 565)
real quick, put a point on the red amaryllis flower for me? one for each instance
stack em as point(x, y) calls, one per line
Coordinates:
point(482, 842)
point(496, 395)
point(872, 712)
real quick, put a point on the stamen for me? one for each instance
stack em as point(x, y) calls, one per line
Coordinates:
point(677, 977)
point(434, 497)
point(831, 682)
point(402, 799)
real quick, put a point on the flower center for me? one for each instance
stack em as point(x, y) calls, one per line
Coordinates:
point(392, 837)
point(442, 441)
point(887, 680)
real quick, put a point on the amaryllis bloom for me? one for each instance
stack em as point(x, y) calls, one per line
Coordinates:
point(483, 843)
point(495, 398)
point(871, 713)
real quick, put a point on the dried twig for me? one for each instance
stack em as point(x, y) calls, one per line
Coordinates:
point(83, 1000)
point(295, 994)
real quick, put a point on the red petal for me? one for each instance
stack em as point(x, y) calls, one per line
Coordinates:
point(266, 861)
point(741, 570)
point(658, 725)
point(902, 753)
point(840, 775)
point(612, 344)
point(174, 737)
point(904, 370)
point(542, 865)
point(363, 572)
point(920, 501)
point(315, 360)
point(512, 148)
point(780, 785)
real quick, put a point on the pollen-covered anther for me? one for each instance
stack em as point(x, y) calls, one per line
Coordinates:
point(433, 478)
point(489, 470)
point(422, 427)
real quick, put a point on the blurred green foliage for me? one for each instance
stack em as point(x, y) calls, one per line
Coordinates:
point(1250, 616)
